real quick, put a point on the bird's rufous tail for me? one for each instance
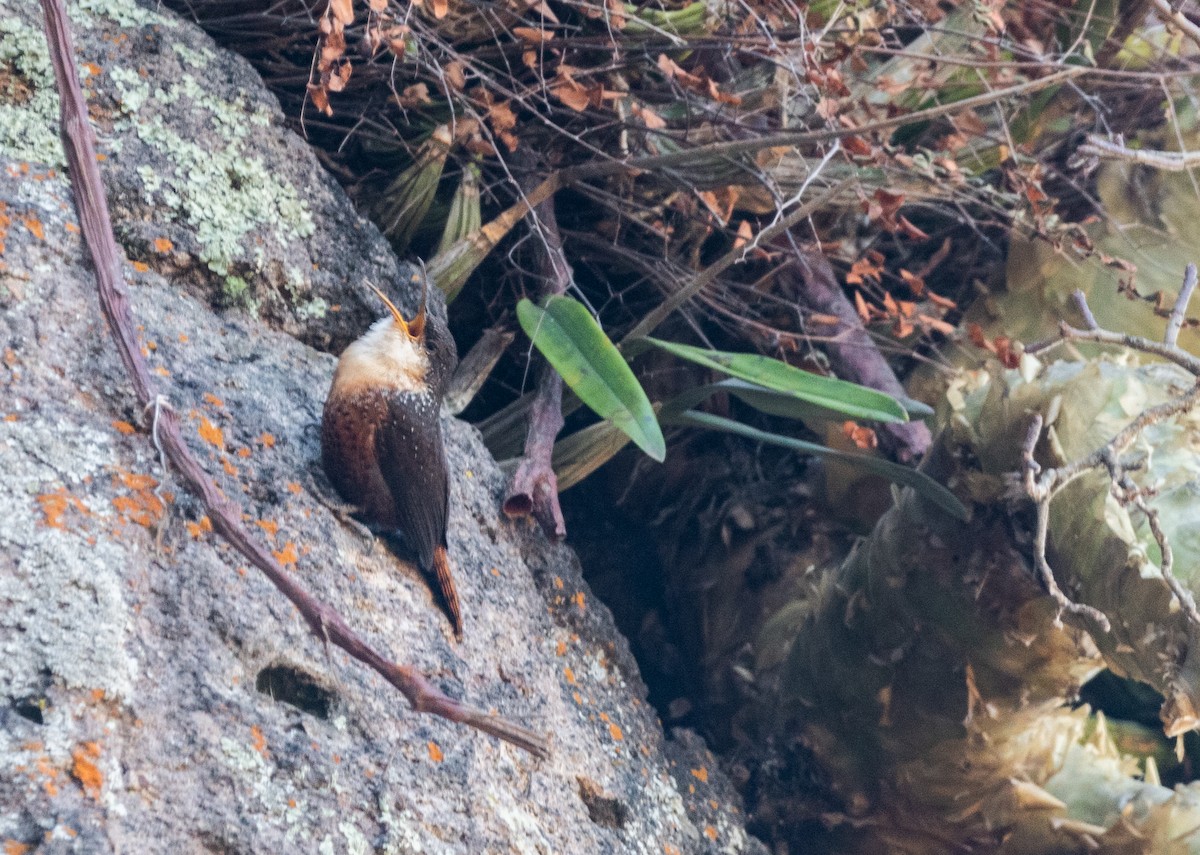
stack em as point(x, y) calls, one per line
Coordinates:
point(441, 568)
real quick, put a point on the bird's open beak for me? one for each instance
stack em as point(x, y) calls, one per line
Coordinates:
point(414, 329)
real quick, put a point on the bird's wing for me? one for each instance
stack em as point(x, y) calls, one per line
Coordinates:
point(414, 466)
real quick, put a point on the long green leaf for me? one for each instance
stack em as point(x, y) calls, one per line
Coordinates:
point(837, 395)
point(894, 472)
point(571, 340)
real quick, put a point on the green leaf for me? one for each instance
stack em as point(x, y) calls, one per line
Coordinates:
point(571, 340)
point(894, 472)
point(789, 406)
point(837, 395)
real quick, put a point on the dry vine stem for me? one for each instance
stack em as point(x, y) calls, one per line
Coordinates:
point(1168, 161)
point(533, 489)
point(96, 226)
point(1041, 485)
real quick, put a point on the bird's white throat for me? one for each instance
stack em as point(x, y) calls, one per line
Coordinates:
point(385, 356)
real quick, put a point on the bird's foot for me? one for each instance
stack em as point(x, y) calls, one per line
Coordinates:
point(321, 490)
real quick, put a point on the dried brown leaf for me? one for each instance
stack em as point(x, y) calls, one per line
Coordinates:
point(532, 36)
point(456, 75)
point(320, 98)
point(416, 95)
point(339, 75)
point(343, 11)
point(650, 119)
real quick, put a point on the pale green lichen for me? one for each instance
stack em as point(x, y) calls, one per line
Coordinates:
point(132, 89)
point(356, 841)
point(123, 13)
point(28, 100)
point(199, 59)
point(223, 192)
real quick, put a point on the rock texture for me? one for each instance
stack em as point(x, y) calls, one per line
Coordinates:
point(156, 695)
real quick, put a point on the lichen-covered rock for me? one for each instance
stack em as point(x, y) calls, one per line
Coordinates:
point(156, 694)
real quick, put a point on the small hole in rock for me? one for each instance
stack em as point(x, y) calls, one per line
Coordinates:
point(31, 708)
point(603, 809)
point(295, 687)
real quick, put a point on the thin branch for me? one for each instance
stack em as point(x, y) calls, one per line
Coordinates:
point(1042, 485)
point(1179, 310)
point(1042, 495)
point(852, 352)
point(1176, 18)
point(534, 486)
point(1168, 161)
point(96, 225)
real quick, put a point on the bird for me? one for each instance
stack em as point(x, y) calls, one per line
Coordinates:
point(381, 435)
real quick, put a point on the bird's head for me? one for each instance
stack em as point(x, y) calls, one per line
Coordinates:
point(414, 329)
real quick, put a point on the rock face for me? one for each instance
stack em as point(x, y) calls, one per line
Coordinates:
point(156, 695)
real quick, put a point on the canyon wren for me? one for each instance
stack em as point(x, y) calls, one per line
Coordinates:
point(381, 436)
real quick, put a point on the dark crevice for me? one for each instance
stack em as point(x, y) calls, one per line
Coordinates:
point(603, 809)
point(296, 687)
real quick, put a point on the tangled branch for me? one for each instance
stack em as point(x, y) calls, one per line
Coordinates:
point(96, 226)
point(1041, 485)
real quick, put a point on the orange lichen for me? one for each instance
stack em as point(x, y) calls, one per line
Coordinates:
point(569, 674)
point(579, 600)
point(287, 555)
point(163, 244)
point(123, 427)
point(269, 526)
point(84, 769)
point(35, 227)
point(210, 398)
point(243, 452)
point(710, 832)
point(435, 752)
point(228, 466)
point(15, 847)
point(701, 774)
point(161, 371)
point(558, 582)
point(143, 506)
point(615, 732)
point(55, 506)
point(260, 741)
point(195, 529)
point(72, 228)
point(293, 488)
point(210, 433)
point(266, 439)
point(560, 649)
point(141, 266)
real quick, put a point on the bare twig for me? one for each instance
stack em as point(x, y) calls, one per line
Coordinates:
point(534, 486)
point(1168, 161)
point(1042, 495)
point(474, 368)
point(1173, 16)
point(1179, 310)
point(853, 354)
point(1042, 485)
point(96, 226)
